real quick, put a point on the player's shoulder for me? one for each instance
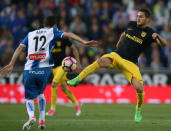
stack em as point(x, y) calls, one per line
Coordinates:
point(149, 29)
point(132, 23)
point(55, 28)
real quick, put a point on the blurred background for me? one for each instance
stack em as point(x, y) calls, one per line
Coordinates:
point(102, 20)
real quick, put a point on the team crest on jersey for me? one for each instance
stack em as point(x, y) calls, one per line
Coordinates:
point(143, 34)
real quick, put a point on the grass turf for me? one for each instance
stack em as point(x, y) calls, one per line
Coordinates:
point(95, 117)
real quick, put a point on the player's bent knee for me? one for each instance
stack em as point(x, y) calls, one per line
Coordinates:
point(54, 85)
point(137, 85)
point(139, 89)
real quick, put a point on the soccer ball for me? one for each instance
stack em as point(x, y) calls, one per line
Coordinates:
point(69, 64)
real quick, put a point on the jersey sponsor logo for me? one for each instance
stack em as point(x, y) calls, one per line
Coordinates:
point(41, 56)
point(143, 34)
point(134, 38)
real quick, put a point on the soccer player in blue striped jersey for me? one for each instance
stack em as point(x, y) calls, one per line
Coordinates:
point(38, 65)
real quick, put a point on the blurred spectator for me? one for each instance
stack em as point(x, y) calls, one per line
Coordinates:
point(118, 29)
point(6, 51)
point(84, 62)
point(21, 60)
point(104, 13)
point(161, 15)
point(118, 16)
point(142, 61)
point(78, 26)
point(94, 32)
point(96, 7)
point(30, 9)
point(155, 64)
point(47, 6)
point(76, 10)
point(73, 2)
point(166, 33)
point(5, 20)
point(132, 11)
point(19, 26)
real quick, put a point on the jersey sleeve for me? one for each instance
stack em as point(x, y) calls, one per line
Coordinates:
point(25, 41)
point(58, 33)
point(67, 41)
point(151, 40)
point(131, 24)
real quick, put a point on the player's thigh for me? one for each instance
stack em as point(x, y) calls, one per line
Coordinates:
point(58, 73)
point(42, 79)
point(107, 60)
point(114, 58)
point(130, 72)
point(29, 85)
point(35, 82)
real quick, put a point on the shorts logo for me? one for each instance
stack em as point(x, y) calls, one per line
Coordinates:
point(36, 72)
point(41, 56)
point(143, 34)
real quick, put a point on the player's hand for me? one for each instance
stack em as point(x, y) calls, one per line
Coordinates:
point(79, 66)
point(6, 70)
point(92, 43)
point(155, 35)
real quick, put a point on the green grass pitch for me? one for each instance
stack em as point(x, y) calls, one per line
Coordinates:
point(94, 117)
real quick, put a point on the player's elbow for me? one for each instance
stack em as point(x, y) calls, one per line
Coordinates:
point(163, 44)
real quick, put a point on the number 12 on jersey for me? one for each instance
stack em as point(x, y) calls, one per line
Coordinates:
point(39, 39)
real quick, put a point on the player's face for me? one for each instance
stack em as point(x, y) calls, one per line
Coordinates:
point(141, 19)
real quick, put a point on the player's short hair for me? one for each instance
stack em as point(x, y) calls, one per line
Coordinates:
point(146, 12)
point(50, 21)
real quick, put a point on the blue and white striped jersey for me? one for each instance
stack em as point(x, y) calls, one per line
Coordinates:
point(39, 44)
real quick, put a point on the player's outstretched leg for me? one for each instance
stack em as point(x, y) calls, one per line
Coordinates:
point(42, 107)
point(32, 118)
point(140, 98)
point(54, 95)
point(88, 70)
point(103, 62)
point(71, 96)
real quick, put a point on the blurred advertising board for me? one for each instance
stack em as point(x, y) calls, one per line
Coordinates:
point(103, 77)
point(92, 94)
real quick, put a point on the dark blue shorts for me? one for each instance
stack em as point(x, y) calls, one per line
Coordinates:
point(35, 81)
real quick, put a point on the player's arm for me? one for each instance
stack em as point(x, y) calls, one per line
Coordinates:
point(120, 39)
point(7, 69)
point(75, 37)
point(76, 55)
point(159, 39)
